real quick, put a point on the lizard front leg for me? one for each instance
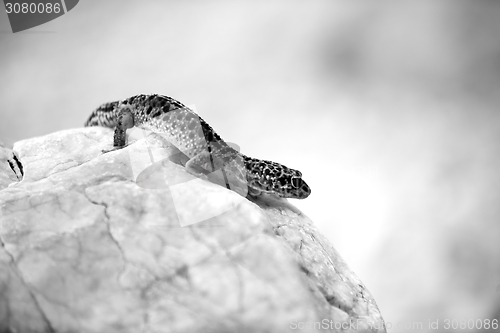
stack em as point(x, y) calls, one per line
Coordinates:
point(125, 120)
point(202, 164)
point(228, 172)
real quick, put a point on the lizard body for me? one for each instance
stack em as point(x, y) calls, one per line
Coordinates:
point(199, 142)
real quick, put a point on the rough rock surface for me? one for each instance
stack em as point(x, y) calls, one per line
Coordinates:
point(129, 242)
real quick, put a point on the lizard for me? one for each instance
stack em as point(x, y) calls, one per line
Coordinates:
point(205, 149)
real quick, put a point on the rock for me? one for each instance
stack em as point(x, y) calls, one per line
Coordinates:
point(128, 241)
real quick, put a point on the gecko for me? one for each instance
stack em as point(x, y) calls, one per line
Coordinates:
point(206, 151)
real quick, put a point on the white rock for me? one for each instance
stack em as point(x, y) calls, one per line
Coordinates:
point(127, 241)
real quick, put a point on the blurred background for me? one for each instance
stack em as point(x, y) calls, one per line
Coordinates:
point(390, 109)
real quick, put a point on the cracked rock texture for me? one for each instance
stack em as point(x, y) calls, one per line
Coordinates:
point(129, 242)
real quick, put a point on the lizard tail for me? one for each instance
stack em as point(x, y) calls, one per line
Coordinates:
point(105, 115)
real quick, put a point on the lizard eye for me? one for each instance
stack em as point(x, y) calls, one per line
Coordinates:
point(296, 182)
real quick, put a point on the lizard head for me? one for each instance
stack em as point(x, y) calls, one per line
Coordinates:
point(274, 178)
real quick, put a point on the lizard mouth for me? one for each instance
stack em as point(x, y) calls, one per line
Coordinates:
point(284, 187)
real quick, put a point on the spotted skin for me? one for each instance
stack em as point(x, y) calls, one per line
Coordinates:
point(206, 150)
